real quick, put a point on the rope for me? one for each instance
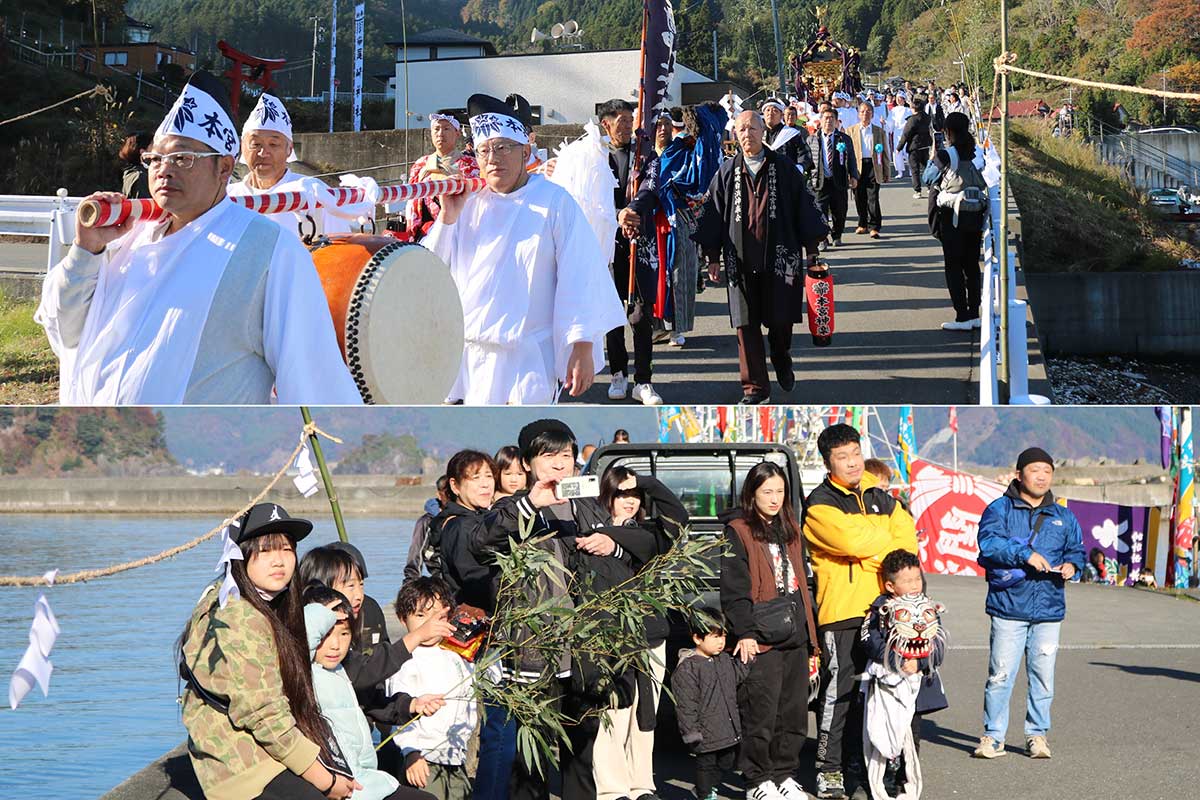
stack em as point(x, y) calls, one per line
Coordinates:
point(1004, 63)
point(83, 576)
point(96, 91)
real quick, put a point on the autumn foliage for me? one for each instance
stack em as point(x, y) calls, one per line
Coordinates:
point(1170, 24)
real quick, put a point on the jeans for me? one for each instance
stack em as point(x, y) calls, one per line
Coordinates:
point(1010, 639)
point(497, 750)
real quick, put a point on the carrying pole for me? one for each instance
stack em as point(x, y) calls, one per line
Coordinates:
point(314, 441)
point(1002, 245)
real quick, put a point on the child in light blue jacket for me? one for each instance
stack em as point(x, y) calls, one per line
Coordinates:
point(327, 620)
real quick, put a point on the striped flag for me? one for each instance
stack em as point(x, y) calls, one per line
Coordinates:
point(954, 419)
point(907, 440)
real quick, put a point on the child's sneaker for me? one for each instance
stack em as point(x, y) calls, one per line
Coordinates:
point(792, 790)
point(830, 785)
point(712, 795)
point(1037, 746)
point(767, 790)
point(989, 748)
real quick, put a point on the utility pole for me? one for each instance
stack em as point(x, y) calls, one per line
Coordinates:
point(1001, 247)
point(312, 82)
point(778, 48)
point(1164, 81)
point(715, 78)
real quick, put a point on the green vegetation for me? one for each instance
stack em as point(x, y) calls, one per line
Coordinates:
point(383, 454)
point(28, 367)
point(1081, 215)
point(102, 441)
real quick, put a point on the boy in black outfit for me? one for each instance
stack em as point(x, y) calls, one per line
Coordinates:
point(705, 685)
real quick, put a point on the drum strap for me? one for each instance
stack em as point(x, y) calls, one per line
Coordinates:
point(230, 367)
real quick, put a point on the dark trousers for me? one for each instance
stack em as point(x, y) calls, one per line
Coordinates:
point(752, 357)
point(773, 701)
point(497, 751)
point(840, 717)
point(963, 277)
point(866, 197)
point(833, 202)
point(917, 160)
point(711, 769)
point(643, 331)
point(287, 785)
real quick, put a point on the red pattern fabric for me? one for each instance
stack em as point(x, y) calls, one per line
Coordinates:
point(419, 215)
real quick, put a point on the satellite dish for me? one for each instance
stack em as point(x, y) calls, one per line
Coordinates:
point(557, 30)
point(537, 36)
point(570, 27)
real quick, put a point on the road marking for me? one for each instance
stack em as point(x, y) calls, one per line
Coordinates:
point(1184, 646)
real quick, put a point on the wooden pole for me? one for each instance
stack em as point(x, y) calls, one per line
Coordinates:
point(315, 442)
point(1003, 379)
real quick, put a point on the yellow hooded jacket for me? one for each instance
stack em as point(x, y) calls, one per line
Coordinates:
point(849, 532)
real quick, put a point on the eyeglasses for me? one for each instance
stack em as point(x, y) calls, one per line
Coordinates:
point(184, 160)
point(486, 153)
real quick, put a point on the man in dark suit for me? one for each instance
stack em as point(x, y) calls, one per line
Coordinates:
point(834, 172)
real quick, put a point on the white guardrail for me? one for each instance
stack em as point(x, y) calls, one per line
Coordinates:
point(51, 218)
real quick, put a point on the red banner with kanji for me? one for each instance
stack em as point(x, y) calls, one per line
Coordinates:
point(947, 506)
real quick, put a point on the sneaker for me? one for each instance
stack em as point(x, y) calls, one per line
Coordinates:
point(989, 748)
point(916, 195)
point(837, 242)
point(1037, 747)
point(792, 790)
point(618, 387)
point(964, 325)
point(767, 790)
point(661, 336)
point(824, 245)
point(976, 323)
point(677, 340)
point(874, 234)
point(830, 785)
point(644, 393)
point(710, 796)
point(860, 229)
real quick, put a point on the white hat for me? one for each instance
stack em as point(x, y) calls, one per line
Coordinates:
point(270, 115)
point(453, 120)
point(772, 102)
point(198, 114)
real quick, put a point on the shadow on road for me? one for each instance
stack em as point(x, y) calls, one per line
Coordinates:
point(1152, 672)
point(933, 733)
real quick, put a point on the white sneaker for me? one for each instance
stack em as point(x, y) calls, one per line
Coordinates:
point(767, 790)
point(976, 323)
point(916, 195)
point(966, 325)
point(677, 340)
point(618, 387)
point(644, 393)
point(792, 790)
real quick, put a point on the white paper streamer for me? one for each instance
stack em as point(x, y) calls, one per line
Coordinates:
point(50, 577)
point(306, 482)
point(229, 552)
point(35, 666)
point(582, 169)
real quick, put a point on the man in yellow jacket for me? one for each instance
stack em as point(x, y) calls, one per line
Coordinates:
point(850, 523)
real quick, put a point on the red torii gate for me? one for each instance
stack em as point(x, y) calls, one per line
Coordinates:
point(246, 67)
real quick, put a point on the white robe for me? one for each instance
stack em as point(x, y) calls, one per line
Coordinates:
point(897, 117)
point(327, 221)
point(533, 280)
point(847, 115)
point(126, 324)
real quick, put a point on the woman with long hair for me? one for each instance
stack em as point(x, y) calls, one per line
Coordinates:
point(511, 476)
point(961, 238)
point(765, 597)
point(254, 727)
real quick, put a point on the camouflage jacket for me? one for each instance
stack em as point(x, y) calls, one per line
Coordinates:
point(231, 652)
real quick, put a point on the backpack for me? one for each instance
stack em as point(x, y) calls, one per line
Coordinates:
point(974, 206)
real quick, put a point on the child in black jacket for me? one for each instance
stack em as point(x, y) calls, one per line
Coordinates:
point(705, 686)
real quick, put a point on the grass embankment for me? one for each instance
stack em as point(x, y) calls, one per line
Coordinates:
point(1080, 215)
point(28, 367)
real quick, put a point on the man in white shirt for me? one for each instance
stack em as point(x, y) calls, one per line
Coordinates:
point(211, 305)
point(843, 105)
point(536, 293)
point(870, 153)
point(897, 117)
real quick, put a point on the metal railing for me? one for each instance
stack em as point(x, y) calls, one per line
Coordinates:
point(49, 217)
point(1139, 159)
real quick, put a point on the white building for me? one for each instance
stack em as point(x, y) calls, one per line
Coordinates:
point(446, 67)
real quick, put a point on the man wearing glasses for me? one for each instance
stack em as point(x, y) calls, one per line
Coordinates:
point(211, 305)
point(536, 293)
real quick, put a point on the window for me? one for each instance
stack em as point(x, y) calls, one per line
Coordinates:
point(116, 58)
point(164, 58)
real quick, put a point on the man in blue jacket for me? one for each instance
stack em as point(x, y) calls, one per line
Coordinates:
point(1030, 546)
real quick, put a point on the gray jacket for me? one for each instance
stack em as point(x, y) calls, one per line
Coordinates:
point(706, 705)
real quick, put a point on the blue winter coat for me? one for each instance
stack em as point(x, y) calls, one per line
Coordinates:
point(1003, 529)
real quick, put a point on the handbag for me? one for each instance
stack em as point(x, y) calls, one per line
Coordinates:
point(775, 619)
point(1006, 577)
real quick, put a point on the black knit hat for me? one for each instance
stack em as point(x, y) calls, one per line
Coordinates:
point(1034, 455)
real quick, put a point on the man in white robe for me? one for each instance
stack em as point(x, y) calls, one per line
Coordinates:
point(211, 305)
point(536, 293)
point(897, 118)
point(267, 148)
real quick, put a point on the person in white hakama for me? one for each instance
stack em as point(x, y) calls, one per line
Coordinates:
point(536, 293)
point(211, 305)
point(897, 118)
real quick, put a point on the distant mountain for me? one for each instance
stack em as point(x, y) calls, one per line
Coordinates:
point(48, 442)
point(383, 454)
point(258, 439)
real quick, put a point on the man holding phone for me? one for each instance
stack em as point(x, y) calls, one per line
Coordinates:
point(1030, 547)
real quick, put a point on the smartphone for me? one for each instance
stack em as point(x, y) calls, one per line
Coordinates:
point(575, 488)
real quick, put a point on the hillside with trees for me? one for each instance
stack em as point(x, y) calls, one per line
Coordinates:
point(48, 442)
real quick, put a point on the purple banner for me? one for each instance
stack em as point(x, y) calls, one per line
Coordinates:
point(1166, 422)
point(659, 66)
point(1120, 532)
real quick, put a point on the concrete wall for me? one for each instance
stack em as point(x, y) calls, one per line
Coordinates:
point(377, 495)
point(1117, 313)
point(567, 85)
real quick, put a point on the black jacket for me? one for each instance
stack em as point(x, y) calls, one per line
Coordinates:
point(706, 707)
point(843, 165)
point(795, 148)
point(916, 137)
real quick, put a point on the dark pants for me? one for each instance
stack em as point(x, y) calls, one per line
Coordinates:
point(643, 331)
point(752, 358)
point(917, 160)
point(712, 767)
point(287, 785)
point(773, 701)
point(866, 197)
point(833, 202)
point(840, 717)
point(497, 751)
point(963, 277)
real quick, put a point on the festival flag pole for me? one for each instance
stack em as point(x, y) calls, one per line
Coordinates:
point(635, 168)
point(315, 442)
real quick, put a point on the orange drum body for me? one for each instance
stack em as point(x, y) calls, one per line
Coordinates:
point(397, 316)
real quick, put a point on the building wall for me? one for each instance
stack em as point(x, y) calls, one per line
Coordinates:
point(566, 85)
point(138, 56)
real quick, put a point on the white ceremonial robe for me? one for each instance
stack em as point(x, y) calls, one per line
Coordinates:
point(326, 220)
point(533, 281)
point(848, 116)
point(897, 117)
point(127, 324)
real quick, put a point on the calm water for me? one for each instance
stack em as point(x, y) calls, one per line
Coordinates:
point(112, 707)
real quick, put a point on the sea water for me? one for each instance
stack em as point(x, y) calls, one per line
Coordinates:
point(112, 706)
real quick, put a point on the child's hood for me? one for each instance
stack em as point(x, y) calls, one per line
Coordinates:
point(686, 653)
point(318, 621)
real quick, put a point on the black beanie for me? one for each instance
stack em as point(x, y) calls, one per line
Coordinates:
point(1034, 455)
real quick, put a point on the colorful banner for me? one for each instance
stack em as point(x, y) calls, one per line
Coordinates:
point(947, 506)
point(907, 439)
point(360, 13)
point(1185, 512)
point(1119, 532)
point(1166, 423)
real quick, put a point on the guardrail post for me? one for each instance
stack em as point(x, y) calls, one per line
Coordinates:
point(62, 230)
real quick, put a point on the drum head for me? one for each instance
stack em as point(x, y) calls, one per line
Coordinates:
point(404, 328)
